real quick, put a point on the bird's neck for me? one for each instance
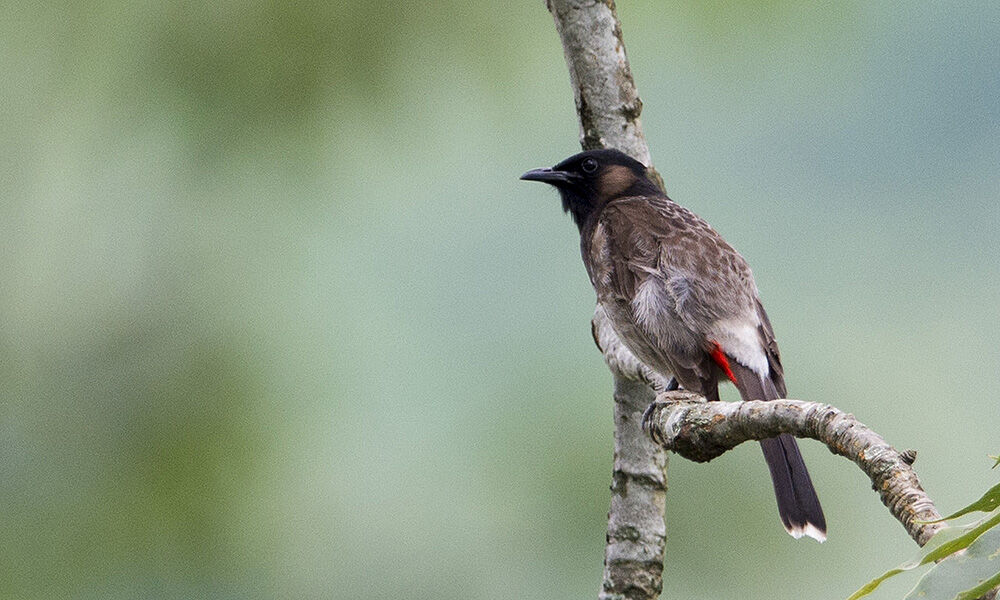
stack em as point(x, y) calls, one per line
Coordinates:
point(582, 204)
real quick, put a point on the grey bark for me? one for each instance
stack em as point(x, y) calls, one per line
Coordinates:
point(607, 101)
point(698, 430)
point(633, 556)
point(608, 106)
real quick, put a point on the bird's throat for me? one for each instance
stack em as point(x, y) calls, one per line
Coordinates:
point(578, 206)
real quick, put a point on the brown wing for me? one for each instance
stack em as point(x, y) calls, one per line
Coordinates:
point(707, 279)
point(623, 256)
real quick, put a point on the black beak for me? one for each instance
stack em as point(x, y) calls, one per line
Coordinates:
point(549, 176)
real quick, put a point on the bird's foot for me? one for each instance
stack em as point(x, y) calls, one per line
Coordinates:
point(647, 415)
point(647, 420)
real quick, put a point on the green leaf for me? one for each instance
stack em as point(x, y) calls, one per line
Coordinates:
point(961, 542)
point(980, 589)
point(944, 543)
point(979, 566)
point(997, 463)
point(988, 503)
point(874, 583)
point(945, 535)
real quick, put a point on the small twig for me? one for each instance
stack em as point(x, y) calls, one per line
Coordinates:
point(698, 430)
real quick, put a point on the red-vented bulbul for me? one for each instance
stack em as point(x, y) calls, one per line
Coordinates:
point(682, 300)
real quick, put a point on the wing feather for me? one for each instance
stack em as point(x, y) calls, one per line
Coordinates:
point(681, 284)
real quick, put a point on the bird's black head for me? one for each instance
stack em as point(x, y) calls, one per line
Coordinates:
point(588, 180)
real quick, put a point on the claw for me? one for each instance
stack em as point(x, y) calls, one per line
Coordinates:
point(647, 420)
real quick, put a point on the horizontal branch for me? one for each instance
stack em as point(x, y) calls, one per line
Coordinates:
point(700, 431)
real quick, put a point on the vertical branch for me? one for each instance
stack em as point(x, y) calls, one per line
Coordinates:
point(633, 556)
point(607, 102)
point(608, 106)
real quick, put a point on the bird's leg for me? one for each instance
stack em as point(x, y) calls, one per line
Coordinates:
point(712, 393)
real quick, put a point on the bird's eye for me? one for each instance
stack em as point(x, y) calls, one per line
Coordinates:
point(589, 165)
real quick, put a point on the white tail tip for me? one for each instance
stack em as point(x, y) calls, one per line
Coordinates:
point(807, 530)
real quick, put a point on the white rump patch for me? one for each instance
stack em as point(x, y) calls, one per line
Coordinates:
point(740, 339)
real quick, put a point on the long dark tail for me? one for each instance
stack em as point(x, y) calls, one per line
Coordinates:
point(798, 505)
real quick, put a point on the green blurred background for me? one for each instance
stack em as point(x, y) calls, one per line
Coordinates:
point(279, 320)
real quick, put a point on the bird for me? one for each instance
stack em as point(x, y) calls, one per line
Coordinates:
point(682, 300)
